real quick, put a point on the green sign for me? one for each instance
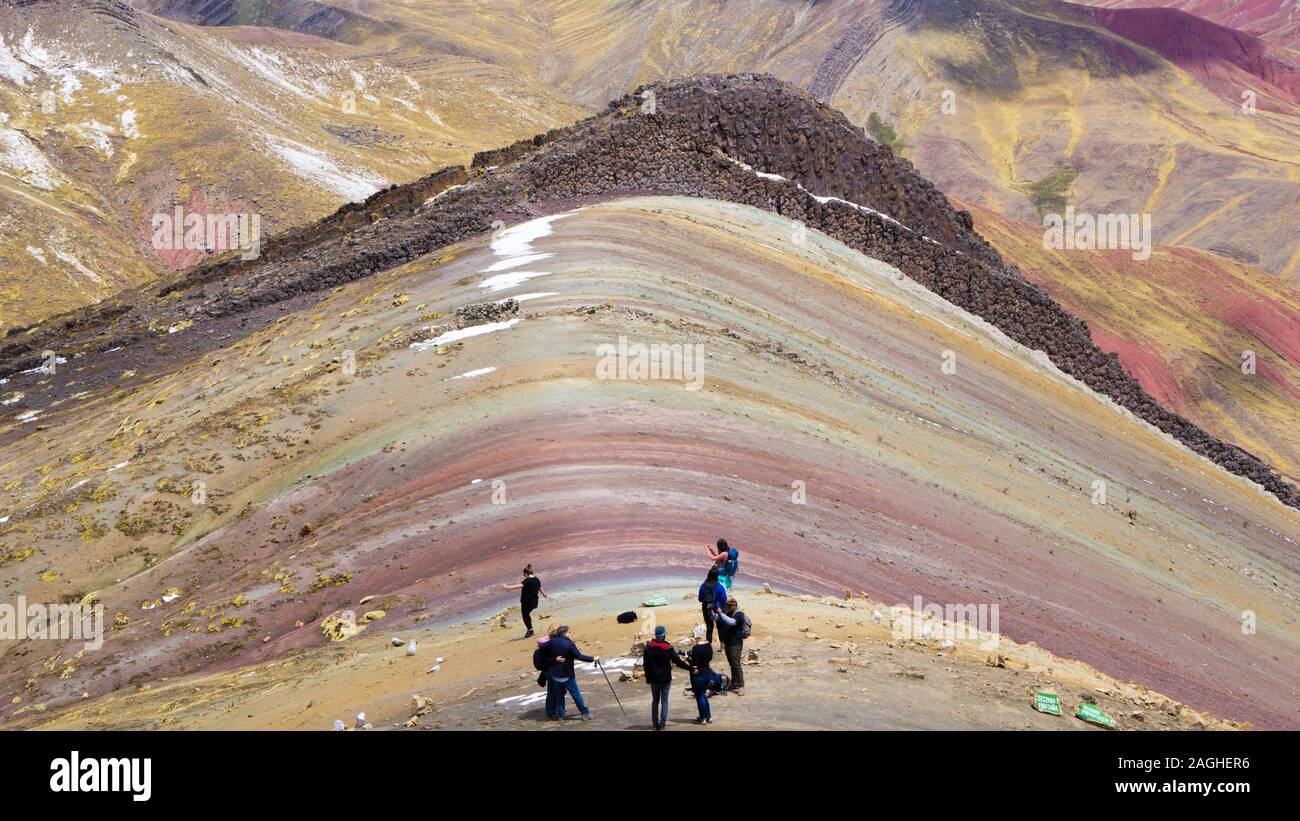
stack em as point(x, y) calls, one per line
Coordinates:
point(1092, 713)
point(1048, 703)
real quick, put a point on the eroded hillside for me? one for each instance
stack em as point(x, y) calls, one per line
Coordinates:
point(476, 433)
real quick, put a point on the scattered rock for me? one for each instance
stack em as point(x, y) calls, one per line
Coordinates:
point(420, 705)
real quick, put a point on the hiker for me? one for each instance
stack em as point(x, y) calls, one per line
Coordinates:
point(542, 662)
point(727, 562)
point(703, 679)
point(560, 674)
point(528, 590)
point(658, 661)
point(712, 596)
point(733, 629)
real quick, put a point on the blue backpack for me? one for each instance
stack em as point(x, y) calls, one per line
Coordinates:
point(732, 564)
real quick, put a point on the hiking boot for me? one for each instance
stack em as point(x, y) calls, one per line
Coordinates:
point(528, 635)
point(587, 716)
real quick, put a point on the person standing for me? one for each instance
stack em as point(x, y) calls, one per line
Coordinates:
point(658, 660)
point(561, 675)
point(733, 628)
point(528, 590)
point(712, 596)
point(703, 679)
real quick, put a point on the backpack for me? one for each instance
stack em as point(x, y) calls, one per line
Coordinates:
point(707, 594)
point(540, 659)
point(732, 564)
point(746, 626)
point(627, 617)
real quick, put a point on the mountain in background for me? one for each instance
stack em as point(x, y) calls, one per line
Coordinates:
point(109, 117)
point(1277, 21)
point(289, 109)
point(241, 106)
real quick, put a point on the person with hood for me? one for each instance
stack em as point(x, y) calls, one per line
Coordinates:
point(528, 590)
point(712, 596)
point(727, 562)
point(731, 632)
point(542, 661)
point(703, 679)
point(560, 674)
point(657, 661)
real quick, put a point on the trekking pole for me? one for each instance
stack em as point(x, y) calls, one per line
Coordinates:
point(611, 687)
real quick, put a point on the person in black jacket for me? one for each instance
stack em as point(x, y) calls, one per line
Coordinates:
point(703, 679)
point(712, 595)
point(528, 590)
point(658, 661)
point(562, 677)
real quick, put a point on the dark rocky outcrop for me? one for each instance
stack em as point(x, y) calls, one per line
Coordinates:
point(703, 128)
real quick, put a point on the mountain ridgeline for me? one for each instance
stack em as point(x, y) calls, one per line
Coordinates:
point(749, 139)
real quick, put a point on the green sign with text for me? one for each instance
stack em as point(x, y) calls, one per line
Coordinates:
point(1092, 713)
point(1048, 703)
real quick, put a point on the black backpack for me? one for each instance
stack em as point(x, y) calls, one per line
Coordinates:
point(627, 617)
point(707, 589)
point(541, 659)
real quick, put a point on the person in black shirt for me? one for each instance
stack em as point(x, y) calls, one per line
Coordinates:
point(703, 679)
point(528, 590)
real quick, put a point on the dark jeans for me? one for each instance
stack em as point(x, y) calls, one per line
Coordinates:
point(659, 703)
point(734, 657)
point(701, 683)
point(527, 611)
point(555, 691)
point(707, 610)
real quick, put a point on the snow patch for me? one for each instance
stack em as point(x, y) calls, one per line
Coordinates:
point(129, 128)
point(24, 160)
point(464, 333)
point(518, 239)
point(82, 269)
point(526, 297)
point(474, 373)
point(515, 262)
point(823, 200)
point(11, 68)
point(501, 282)
point(96, 134)
point(318, 167)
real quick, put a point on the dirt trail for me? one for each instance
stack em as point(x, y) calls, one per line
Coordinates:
point(815, 663)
